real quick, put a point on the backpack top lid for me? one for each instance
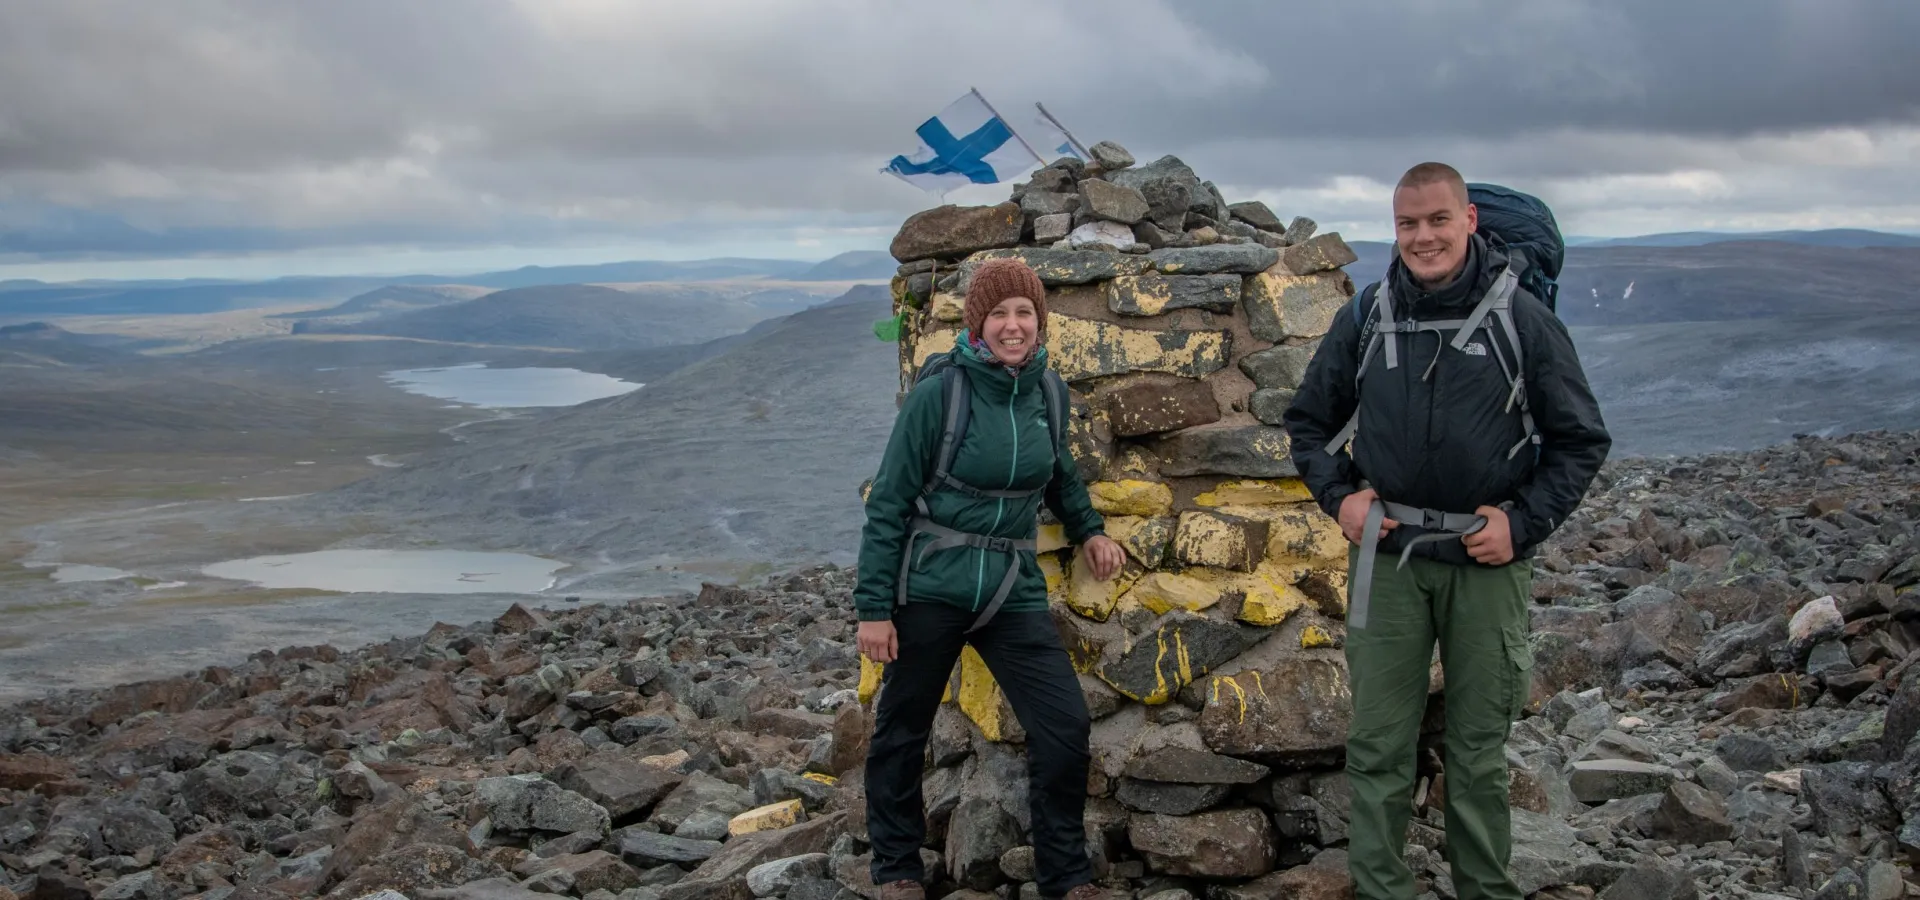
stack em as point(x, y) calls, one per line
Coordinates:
point(1524, 224)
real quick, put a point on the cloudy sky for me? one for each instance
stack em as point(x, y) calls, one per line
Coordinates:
point(200, 137)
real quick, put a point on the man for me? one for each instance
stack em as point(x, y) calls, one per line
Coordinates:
point(1457, 473)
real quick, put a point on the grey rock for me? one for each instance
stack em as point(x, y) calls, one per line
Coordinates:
point(777, 878)
point(1112, 202)
point(1828, 658)
point(1256, 451)
point(1270, 405)
point(1111, 156)
point(1717, 776)
point(979, 833)
point(1595, 781)
point(532, 803)
point(1185, 765)
point(1589, 723)
point(1611, 744)
point(1049, 203)
point(647, 849)
point(1244, 259)
point(1652, 880)
point(1168, 798)
point(1256, 214)
point(1152, 294)
point(1844, 885)
point(1282, 367)
point(1746, 753)
point(1690, 814)
point(1300, 230)
point(1050, 228)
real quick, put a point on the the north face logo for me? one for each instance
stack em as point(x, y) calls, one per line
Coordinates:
point(1474, 349)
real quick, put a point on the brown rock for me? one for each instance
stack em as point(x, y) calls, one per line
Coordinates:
point(518, 620)
point(415, 869)
point(1689, 814)
point(1157, 407)
point(798, 724)
point(585, 873)
point(1184, 765)
point(26, 771)
point(1773, 691)
point(1311, 882)
point(622, 785)
point(850, 735)
point(1295, 711)
point(1220, 540)
point(746, 851)
point(1318, 254)
point(1243, 451)
point(953, 231)
point(1233, 843)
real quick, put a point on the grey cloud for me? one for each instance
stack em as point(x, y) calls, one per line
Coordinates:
point(208, 126)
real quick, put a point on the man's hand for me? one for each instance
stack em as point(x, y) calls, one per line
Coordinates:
point(878, 641)
point(1353, 515)
point(1492, 545)
point(1105, 555)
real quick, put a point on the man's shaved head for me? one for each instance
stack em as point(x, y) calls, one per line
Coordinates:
point(1435, 173)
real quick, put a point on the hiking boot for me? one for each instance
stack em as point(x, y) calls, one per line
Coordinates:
point(1090, 891)
point(908, 890)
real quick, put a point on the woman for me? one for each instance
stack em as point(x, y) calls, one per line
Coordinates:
point(1008, 464)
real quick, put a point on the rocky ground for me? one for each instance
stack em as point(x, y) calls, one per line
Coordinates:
point(1723, 706)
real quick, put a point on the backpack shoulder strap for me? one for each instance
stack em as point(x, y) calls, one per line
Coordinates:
point(955, 394)
point(1054, 389)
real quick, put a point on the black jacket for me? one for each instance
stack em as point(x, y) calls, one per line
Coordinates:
point(1441, 442)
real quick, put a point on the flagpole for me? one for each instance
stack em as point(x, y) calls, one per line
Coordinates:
point(1016, 135)
point(1088, 154)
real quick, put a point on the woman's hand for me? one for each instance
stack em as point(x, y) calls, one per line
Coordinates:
point(1105, 555)
point(878, 641)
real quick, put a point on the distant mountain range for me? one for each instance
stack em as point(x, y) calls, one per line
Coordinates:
point(583, 316)
point(27, 298)
point(1744, 279)
point(1832, 237)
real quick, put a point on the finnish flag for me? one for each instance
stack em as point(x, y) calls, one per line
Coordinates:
point(967, 143)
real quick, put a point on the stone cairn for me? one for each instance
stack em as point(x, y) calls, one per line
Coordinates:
point(1212, 663)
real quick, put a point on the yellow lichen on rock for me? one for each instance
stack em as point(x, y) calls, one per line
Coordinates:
point(1144, 539)
point(869, 678)
point(1256, 492)
point(1130, 497)
point(1163, 591)
point(1082, 348)
point(948, 307)
point(1314, 637)
point(1089, 596)
point(1056, 576)
point(979, 695)
point(932, 343)
point(1210, 538)
point(1052, 536)
point(784, 814)
point(1306, 534)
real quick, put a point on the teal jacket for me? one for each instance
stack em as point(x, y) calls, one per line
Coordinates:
point(1007, 447)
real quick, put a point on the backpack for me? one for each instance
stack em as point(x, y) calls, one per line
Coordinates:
point(956, 393)
point(1522, 226)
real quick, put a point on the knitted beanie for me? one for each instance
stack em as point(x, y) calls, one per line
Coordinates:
point(996, 280)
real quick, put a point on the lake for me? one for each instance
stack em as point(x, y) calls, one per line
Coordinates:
point(396, 571)
point(476, 385)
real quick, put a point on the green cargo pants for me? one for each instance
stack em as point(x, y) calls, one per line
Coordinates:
point(1479, 616)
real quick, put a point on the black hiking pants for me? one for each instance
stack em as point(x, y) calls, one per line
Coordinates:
point(1023, 651)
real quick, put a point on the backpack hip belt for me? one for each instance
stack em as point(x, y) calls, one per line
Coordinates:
point(1441, 525)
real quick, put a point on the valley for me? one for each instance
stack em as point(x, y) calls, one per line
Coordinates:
point(722, 431)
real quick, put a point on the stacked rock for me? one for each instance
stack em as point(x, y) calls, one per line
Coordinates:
point(1183, 325)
